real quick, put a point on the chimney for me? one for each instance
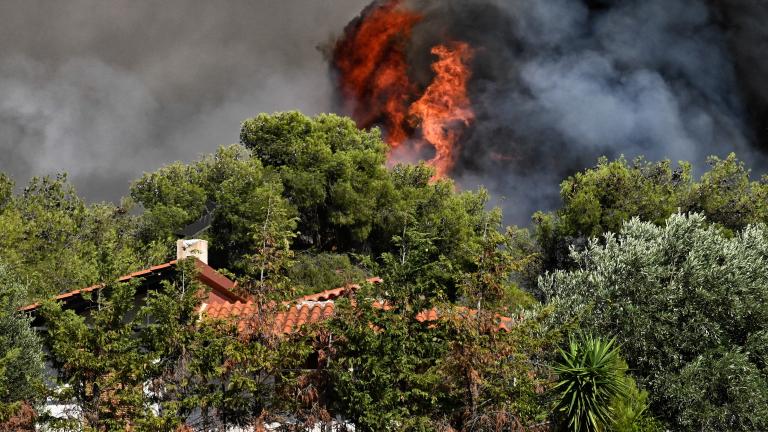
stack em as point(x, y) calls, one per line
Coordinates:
point(193, 247)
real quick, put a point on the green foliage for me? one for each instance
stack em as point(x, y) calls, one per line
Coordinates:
point(601, 199)
point(385, 374)
point(273, 255)
point(172, 197)
point(332, 171)
point(231, 188)
point(492, 377)
point(590, 379)
point(219, 376)
point(630, 413)
point(675, 296)
point(307, 203)
point(21, 356)
point(56, 242)
point(385, 371)
point(727, 196)
point(319, 272)
point(454, 222)
point(328, 181)
point(105, 358)
point(721, 390)
point(394, 369)
point(153, 365)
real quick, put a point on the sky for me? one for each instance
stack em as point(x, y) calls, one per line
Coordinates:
point(106, 90)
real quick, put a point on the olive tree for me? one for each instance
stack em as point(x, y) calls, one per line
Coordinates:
point(688, 302)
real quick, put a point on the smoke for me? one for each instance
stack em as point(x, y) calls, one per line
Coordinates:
point(558, 83)
point(106, 90)
point(747, 36)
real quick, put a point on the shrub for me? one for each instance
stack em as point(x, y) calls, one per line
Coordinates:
point(676, 297)
point(590, 379)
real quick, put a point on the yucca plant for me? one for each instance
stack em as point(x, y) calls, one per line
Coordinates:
point(590, 379)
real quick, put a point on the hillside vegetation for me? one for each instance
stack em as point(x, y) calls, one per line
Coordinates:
point(641, 304)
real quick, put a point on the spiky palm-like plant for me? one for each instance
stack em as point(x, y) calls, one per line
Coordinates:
point(590, 378)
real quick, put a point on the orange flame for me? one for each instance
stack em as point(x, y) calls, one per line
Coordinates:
point(373, 69)
point(445, 104)
point(373, 77)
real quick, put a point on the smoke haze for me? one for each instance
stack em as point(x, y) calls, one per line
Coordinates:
point(107, 90)
point(559, 83)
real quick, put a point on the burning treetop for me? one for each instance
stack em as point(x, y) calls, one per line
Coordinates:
point(373, 75)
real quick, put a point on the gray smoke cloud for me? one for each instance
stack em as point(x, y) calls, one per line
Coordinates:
point(107, 90)
point(744, 24)
point(558, 83)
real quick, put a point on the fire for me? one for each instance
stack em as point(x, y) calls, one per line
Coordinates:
point(373, 70)
point(444, 106)
point(373, 77)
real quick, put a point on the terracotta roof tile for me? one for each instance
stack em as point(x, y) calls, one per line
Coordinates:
point(303, 312)
point(333, 294)
point(285, 321)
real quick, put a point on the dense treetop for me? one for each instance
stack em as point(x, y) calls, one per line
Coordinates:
point(671, 265)
point(686, 302)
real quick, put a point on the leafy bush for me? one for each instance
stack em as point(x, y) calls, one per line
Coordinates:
point(600, 199)
point(721, 390)
point(630, 413)
point(676, 297)
point(21, 355)
point(590, 379)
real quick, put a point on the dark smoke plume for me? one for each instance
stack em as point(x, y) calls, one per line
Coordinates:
point(744, 24)
point(108, 89)
point(558, 83)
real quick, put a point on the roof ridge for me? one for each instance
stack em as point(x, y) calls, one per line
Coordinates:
point(207, 274)
point(333, 293)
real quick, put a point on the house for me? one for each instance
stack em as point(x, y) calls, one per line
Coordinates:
point(221, 287)
point(221, 302)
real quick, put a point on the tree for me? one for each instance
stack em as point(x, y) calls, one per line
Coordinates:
point(631, 413)
point(332, 171)
point(107, 359)
point(600, 199)
point(21, 355)
point(55, 242)
point(677, 297)
point(226, 372)
point(407, 357)
point(273, 256)
point(327, 178)
point(230, 189)
point(723, 389)
point(454, 223)
point(383, 371)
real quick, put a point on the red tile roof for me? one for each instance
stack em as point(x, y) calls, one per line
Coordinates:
point(284, 321)
point(333, 294)
point(504, 323)
point(221, 286)
point(222, 303)
point(313, 309)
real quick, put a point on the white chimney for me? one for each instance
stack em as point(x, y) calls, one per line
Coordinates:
point(193, 247)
